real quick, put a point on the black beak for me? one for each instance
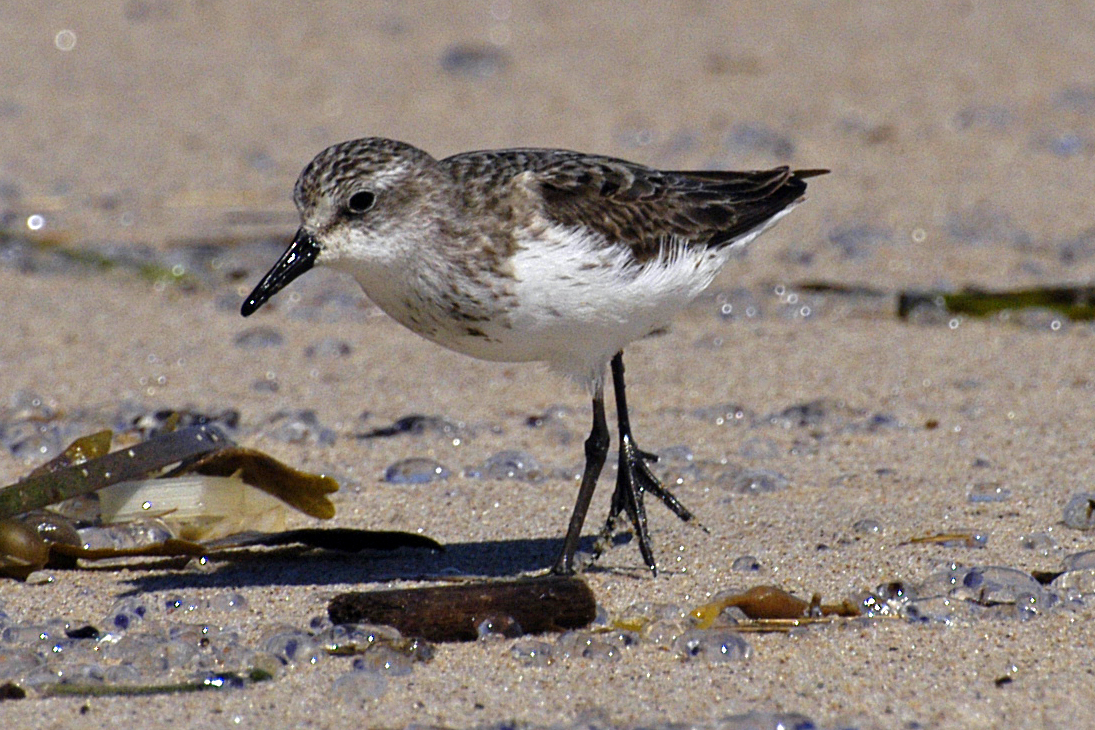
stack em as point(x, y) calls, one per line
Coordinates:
point(298, 258)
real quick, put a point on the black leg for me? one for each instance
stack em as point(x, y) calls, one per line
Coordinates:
point(596, 451)
point(634, 478)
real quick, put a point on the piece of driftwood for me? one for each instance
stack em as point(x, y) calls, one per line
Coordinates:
point(456, 612)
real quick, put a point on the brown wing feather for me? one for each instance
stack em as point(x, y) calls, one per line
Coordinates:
point(637, 205)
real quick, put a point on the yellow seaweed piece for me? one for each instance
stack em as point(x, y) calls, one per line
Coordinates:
point(172, 548)
point(770, 602)
point(80, 451)
point(966, 538)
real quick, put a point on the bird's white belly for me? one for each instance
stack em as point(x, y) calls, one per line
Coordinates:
point(577, 302)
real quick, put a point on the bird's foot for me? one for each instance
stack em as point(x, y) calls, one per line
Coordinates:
point(633, 480)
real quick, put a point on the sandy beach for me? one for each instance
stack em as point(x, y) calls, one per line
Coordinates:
point(147, 161)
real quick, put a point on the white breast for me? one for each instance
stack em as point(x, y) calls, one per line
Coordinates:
point(579, 301)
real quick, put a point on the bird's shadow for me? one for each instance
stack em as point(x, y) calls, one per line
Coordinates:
point(309, 567)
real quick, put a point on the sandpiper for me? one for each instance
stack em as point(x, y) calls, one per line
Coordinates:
point(527, 254)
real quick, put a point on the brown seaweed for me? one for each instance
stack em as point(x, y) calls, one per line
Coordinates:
point(34, 540)
point(340, 539)
point(136, 462)
point(22, 551)
point(219, 681)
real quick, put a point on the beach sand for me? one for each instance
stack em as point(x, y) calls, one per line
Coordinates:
point(959, 141)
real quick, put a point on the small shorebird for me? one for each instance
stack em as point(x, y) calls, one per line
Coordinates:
point(533, 255)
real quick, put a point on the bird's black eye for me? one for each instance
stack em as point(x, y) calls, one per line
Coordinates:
point(360, 201)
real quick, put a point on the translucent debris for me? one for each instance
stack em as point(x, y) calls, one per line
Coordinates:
point(415, 470)
point(1080, 512)
point(532, 653)
point(474, 61)
point(257, 338)
point(510, 464)
point(715, 646)
point(859, 240)
point(414, 425)
point(745, 564)
point(195, 507)
point(727, 414)
point(1041, 543)
point(1080, 561)
point(328, 348)
point(586, 645)
point(988, 492)
point(992, 585)
point(757, 481)
point(757, 720)
point(499, 626)
point(131, 535)
point(127, 613)
point(384, 659)
point(866, 526)
point(1075, 585)
point(298, 427)
point(359, 687)
point(293, 648)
